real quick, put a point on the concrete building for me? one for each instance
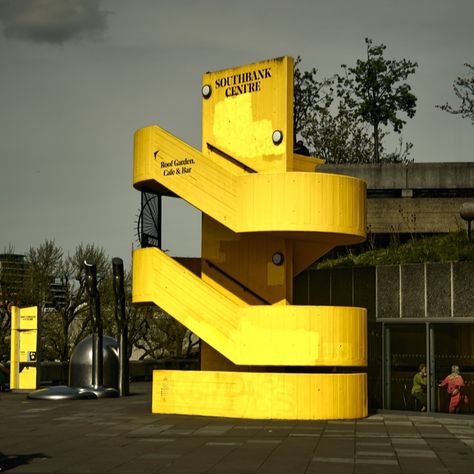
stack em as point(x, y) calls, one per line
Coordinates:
point(415, 198)
point(417, 313)
point(12, 271)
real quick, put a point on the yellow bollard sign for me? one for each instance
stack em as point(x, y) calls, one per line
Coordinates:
point(24, 346)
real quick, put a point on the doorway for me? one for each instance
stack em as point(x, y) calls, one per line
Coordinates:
point(439, 345)
point(453, 344)
point(405, 350)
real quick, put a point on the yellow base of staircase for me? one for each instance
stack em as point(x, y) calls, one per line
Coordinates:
point(260, 395)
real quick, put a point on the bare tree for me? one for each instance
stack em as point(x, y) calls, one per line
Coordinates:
point(68, 321)
point(43, 264)
point(464, 89)
point(56, 284)
point(164, 337)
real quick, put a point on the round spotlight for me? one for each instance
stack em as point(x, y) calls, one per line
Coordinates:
point(278, 258)
point(277, 137)
point(206, 91)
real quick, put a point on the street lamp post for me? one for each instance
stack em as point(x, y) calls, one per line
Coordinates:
point(467, 213)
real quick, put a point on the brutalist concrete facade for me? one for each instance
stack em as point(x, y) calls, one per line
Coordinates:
point(430, 293)
point(413, 198)
point(422, 290)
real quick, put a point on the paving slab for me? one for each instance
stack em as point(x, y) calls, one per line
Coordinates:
point(122, 436)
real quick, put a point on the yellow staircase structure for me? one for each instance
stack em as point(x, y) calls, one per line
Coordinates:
point(267, 215)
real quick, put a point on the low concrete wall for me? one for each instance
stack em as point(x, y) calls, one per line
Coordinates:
point(417, 215)
point(413, 198)
point(409, 176)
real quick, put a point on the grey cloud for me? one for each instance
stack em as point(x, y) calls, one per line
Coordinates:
point(52, 21)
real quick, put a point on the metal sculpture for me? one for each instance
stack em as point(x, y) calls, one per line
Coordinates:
point(94, 312)
point(86, 371)
point(122, 326)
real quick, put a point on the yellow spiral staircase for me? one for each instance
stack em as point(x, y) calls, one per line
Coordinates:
point(267, 215)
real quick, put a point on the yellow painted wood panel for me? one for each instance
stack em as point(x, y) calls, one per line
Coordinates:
point(260, 395)
point(246, 105)
point(314, 203)
point(15, 348)
point(250, 335)
point(307, 202)
point(306, 163)
point(27, 379)
point(245, 258)
point(257, 198)
point(24, 339)
point(162, 158)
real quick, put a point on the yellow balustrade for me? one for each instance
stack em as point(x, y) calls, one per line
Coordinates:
point(293, 335)
point(295, 202)
point(267, 215)
point(260, 395)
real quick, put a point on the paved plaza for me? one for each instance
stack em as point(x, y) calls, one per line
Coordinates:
point(121, 436)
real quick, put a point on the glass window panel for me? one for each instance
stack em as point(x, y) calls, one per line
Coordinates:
point(454, 345)
point(408, 351)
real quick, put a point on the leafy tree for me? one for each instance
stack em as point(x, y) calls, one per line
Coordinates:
point(323, 123)
point(464, 90)
point(310, 96)
point(329, 123)
point(338, 138)
point(374, 91)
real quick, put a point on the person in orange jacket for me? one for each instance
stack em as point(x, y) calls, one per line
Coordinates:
point(454, 384)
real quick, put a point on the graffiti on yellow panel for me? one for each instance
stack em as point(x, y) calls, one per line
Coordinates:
point(262, 395)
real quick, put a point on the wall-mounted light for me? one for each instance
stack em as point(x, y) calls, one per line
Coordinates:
point(278, 258)
point(206, 91)
point(277, 137)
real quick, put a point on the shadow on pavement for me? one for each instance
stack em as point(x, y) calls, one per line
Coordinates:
point(10, 461)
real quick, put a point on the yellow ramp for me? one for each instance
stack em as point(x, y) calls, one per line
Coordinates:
point(294, 335)
point(165, 163)
point(303, 205)
point(260, 395)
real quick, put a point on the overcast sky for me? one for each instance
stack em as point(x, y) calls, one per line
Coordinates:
point(78, 77)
